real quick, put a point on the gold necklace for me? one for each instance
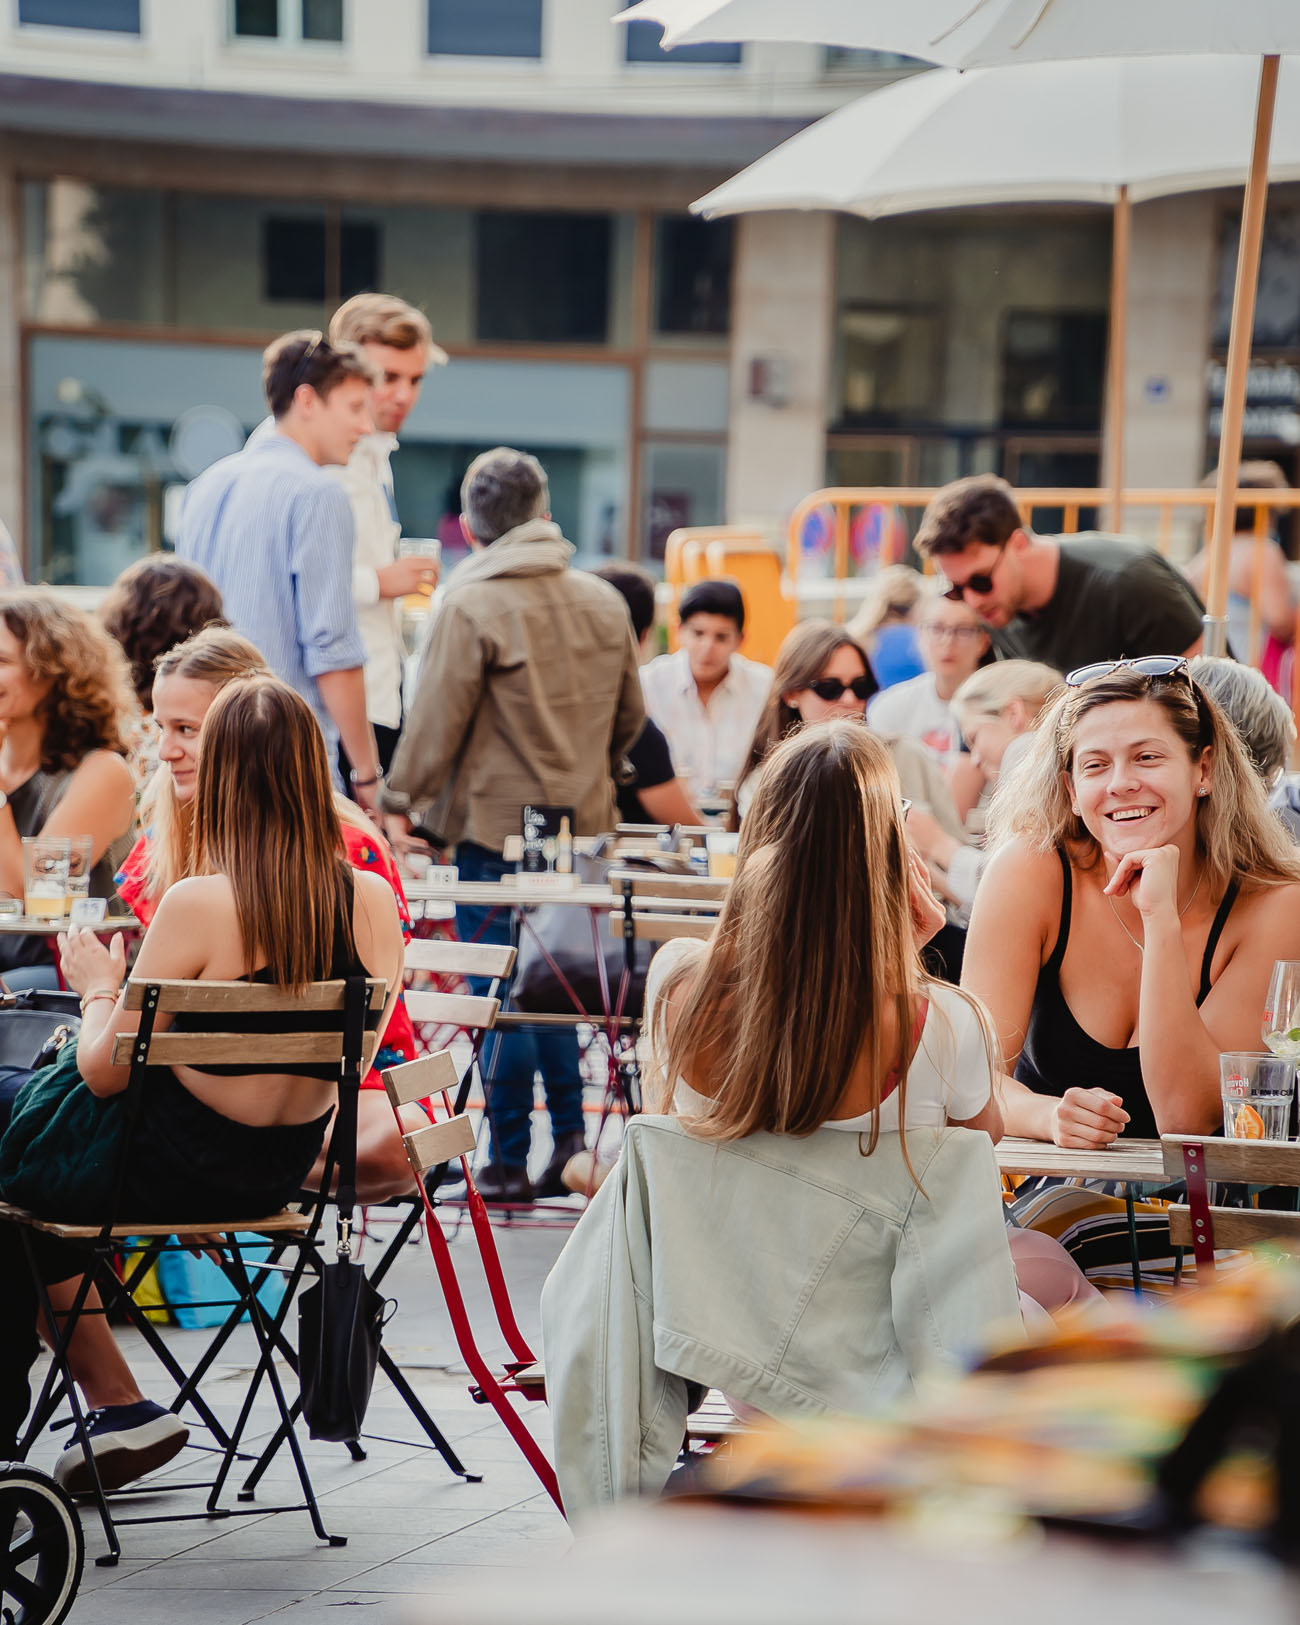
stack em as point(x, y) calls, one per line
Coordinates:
point(1183, 910)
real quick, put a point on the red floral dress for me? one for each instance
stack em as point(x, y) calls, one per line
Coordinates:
point(364, 850)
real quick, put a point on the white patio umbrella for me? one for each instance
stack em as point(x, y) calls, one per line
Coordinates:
point(1115, 130)
point(993, 33)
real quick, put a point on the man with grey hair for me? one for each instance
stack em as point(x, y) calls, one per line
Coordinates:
point(527, 695)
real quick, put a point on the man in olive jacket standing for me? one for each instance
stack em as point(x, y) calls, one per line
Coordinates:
point(528, 695)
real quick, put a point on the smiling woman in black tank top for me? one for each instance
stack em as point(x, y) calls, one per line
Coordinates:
point(1139, 892)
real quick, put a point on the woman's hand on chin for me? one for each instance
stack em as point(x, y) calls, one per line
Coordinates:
point(927, 911)
point(1087, 1119)
point(1150, 878)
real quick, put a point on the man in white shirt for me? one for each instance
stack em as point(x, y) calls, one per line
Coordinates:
point(707, 697)
point(398, 341)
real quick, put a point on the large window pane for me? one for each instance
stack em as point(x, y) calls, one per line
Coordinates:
point(683, 485)
point(1052, 363)
point(322, 19)
point(92, 253)
point(643, 45)
point(543, 278)
point(109, 16)
point(424, 255)
point(485, 28)
point(1277, 303)
point(693, 276)
point(257, 19)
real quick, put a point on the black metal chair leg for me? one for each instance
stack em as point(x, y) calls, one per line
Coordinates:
point(437, 1438)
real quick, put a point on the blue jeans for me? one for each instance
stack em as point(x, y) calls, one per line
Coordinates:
point(511, 1059)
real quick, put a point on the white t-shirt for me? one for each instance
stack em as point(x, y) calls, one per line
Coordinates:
point(951, 1074)
point(914, 708)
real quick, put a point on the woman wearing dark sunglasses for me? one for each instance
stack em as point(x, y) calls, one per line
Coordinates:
point(821, 673)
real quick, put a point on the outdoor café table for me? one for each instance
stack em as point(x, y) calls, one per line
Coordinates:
point(40, 925)
point(599, 900)
point(1126, 1162)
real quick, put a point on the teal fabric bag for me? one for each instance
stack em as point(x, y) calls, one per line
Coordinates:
point(61, 1153)
point(198, 1292)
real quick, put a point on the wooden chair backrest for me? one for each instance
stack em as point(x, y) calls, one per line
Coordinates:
point(682, 889)
point(1248, 1162)
point(438, 1142)
point(259, 1051)
point(663, 927)
point(444, 958)
point(469, 1011)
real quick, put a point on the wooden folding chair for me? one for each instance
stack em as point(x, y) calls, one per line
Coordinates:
point(333, 1023)
point(1202, 1227)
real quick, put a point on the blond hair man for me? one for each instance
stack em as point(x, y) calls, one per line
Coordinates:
point(398, 342)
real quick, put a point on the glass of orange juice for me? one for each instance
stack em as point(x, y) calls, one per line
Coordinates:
point(413, 547)
point(1257, 1093)
point(721, 846)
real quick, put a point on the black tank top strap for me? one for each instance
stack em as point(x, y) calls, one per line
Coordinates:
point(1053, 965)
point(1212, 941)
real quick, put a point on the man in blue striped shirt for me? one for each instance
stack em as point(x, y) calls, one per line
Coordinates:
point(275, 532)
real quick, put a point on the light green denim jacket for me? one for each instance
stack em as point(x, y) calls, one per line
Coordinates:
point(796, 1275)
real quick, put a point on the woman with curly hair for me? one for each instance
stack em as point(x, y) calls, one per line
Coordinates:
point(64, 700)
point(153, 605)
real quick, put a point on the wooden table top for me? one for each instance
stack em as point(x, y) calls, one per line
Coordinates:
point(37, 925)
point(506, 894)
point(1130, 1161)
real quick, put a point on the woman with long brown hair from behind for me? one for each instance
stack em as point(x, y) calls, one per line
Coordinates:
point(272, 901)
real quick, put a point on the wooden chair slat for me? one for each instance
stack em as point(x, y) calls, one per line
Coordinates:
point(205, 998)
point(440, 1142)
point(275, 1224)
point(1249, 1162)
point(680, 888)
point(415, 1080)
point(1237, 1226)
point(460, 958)
point(664, 927)
point(259, 1052)
point(455, 1009)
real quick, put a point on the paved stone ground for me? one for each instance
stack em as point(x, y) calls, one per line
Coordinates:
point(413, 1530)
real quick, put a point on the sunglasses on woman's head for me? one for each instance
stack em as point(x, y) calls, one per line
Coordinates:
point(831, 689)
point(1143, 666)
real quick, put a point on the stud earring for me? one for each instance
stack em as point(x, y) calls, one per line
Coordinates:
point(1075, 811)
point(1203, 791)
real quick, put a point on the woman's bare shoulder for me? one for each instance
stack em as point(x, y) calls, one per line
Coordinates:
point(1016, 865)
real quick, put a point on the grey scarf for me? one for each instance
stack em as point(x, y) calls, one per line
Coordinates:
point(534, 548)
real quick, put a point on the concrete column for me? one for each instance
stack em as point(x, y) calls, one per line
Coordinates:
point(12, 513)
point(1171, 289)
point(783, 296)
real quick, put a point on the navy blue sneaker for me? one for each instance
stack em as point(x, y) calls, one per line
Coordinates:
point(128, 1441)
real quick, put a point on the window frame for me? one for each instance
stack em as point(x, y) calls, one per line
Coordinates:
point(293, 39)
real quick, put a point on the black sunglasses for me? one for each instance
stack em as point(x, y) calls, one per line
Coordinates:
point(980, 584)
point(1143, 666)
point(830, 688)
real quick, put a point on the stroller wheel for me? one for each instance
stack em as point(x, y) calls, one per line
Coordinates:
point(41, 1548)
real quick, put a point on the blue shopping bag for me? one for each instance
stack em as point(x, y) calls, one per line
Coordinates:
point(196, 1289)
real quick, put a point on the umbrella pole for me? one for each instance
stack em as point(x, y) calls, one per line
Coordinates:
point(1117, 358)
point(1239, 346)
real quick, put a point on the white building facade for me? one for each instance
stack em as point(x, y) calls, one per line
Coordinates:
point(180, 180)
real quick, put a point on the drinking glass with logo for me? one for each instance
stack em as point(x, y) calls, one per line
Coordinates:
point(45, 876)
point(1257, 1092)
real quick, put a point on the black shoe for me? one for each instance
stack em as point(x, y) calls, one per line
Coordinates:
point(503, 1182)
point(550, 1183)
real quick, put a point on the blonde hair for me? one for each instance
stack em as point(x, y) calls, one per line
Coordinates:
point(1237, 833)
point(264, 817)
point(989, 691)
point(383, 318)
point(214, 656)
point(894, 591)
point(813, 948)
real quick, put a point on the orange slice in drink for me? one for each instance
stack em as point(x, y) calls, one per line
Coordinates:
point(1249, 1124)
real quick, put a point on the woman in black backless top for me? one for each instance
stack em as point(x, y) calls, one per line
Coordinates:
point(1139, 891)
